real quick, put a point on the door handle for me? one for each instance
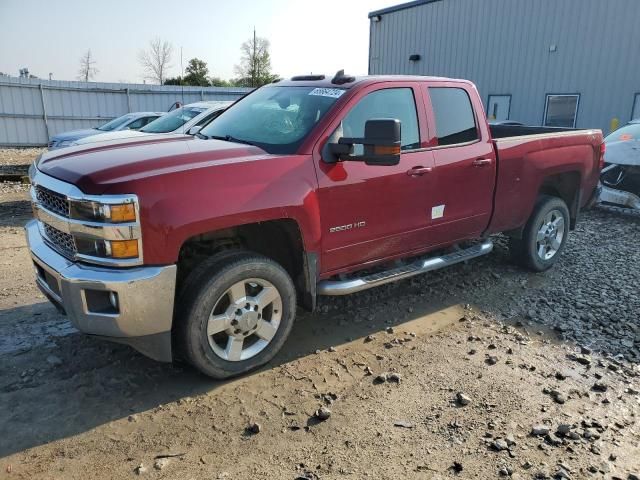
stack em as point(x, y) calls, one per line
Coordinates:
point(482, 162)
point(418, 171)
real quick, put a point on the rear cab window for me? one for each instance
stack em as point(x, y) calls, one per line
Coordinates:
point(454, 116)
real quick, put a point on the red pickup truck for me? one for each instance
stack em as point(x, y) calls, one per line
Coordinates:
point(202, 246)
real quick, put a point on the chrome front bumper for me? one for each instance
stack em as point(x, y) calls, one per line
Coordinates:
point(132, 305)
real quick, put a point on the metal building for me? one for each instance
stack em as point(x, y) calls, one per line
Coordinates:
point(540, 62)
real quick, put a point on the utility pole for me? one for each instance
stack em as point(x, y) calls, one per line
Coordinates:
point(254, 75)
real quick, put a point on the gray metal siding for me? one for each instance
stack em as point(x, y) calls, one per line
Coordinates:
point(503, 47)
point(75, 105)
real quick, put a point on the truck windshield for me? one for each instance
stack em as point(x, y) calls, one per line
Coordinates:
point(173, 120)
point(276, 119)
point(115, 123)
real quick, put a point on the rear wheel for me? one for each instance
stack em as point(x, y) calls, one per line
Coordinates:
point(544, 236)
point(236, 313)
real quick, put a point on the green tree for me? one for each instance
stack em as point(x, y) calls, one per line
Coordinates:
point(254, 69)
point(173, 81)
point(219, 82)
point(196, 73)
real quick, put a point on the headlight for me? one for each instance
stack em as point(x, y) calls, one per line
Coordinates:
point(66, 143)
point(119, 249)
point(100, 212)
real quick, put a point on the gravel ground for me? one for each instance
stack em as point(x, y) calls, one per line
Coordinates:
point(482, 370)
point(19, 156)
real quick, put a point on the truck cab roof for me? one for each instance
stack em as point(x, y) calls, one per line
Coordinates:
point(345, 81)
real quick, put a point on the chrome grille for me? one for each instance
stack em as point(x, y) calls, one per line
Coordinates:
point(63, 242)
point(52, 201)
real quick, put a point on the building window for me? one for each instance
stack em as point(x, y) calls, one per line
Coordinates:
point(455, 121)
point(498, 107)
point(635, 113)
point(561, 111)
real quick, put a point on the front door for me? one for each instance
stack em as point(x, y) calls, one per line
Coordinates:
point(498, 107)
point(370, 213)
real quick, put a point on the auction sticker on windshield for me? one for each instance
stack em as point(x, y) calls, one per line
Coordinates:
point(327, 92)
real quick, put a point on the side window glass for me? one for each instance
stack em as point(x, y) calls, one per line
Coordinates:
point(455, 121)
point(397, 103)
point(136, 124)
point(206, 120)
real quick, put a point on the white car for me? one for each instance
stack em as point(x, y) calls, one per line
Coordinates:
point(180, 120)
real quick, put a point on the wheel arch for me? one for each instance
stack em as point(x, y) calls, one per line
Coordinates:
point(280, 240)
point(563, 185)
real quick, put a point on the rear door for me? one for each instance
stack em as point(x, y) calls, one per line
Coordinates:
point(465, 163)
point(370, 213)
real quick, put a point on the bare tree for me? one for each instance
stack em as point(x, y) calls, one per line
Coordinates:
point(87, 70)
point(254, 69)
point(156, 60)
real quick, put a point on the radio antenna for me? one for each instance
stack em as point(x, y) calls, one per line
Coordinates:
point(182, 83)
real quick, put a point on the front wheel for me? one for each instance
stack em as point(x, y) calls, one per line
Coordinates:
point(544, 236)
point(236, 314)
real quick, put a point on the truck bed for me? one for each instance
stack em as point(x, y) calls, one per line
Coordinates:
point(562, 158)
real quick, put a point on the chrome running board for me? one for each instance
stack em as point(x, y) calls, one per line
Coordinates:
point(422, 265)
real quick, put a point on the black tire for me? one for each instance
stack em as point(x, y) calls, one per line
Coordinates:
point(202, 290)
point(524, 251)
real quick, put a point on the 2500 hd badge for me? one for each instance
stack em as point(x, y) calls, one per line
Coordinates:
point(350, 226)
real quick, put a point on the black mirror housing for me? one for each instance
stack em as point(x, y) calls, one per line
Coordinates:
point(381, 143)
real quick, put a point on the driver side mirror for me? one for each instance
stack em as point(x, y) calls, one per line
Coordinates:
point(381, 144)
point(194, 130)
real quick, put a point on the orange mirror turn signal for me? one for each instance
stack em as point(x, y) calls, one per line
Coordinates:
point(386, 149)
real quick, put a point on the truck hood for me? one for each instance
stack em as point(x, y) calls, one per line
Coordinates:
point(623, 152)
point(99, 167)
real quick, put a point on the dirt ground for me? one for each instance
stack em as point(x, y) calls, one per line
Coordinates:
point(479, 371)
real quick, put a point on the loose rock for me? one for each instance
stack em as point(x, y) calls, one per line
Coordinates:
point(600, 387)
point(54, 360)
point(322, 414)
point(394, 377)
point(254, 428)
point(161, 463)
point(539, 430)
point(500, 444)
point(463, 399)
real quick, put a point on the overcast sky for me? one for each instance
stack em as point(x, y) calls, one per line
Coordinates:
point(51, 36)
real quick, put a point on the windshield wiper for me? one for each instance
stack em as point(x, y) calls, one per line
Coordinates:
point(229, 138)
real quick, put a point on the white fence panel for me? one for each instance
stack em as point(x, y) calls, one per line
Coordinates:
point(33, 110)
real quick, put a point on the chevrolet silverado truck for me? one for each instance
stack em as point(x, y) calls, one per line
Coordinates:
point(201, 248)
